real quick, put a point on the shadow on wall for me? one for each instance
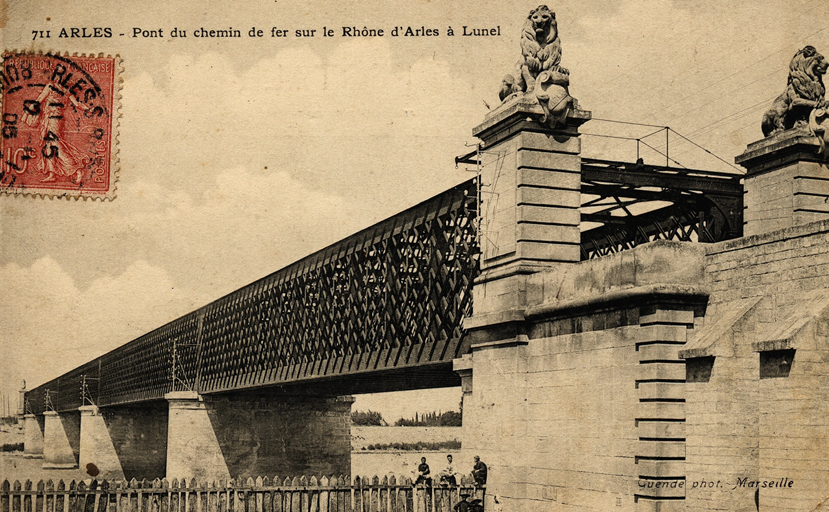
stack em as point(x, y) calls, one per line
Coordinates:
point(139, 435)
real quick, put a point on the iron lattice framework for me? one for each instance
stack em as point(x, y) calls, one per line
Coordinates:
point(627, 204)
point(637, 203)
point(391, 296)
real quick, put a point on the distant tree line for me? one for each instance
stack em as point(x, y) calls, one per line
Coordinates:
point(453, 444)
point(432, 419)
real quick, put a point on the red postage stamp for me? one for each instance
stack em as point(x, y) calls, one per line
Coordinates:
point(59, 125)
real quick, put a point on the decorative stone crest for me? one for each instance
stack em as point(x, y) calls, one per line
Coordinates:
point(538, 72)
point(803, 103)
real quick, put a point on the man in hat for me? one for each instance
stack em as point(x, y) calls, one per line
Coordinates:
point(463, 505)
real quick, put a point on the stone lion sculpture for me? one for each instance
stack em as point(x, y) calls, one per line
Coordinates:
point(804, 93)
point(539, 70)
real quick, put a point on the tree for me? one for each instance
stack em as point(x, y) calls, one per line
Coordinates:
point(367, 418)
point(433, 419)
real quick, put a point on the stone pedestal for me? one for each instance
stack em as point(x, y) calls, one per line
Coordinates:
point(61, 440)
point(786, 183)
point(531, 193)
point(531, 188)
point(33, 437)
point(97, 453)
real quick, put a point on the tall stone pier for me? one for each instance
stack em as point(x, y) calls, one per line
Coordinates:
point(61, 440)
point(33, 436)
point(250, 435)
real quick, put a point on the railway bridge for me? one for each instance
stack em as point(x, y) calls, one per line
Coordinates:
point(259, 381)
point(627, 336)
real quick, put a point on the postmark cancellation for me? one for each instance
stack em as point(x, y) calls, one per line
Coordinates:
point(60, 125)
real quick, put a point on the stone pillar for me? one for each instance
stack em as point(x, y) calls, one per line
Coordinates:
point(61, 440)
point(531, 193)
point(660, 418)
point(33, 440)
point(786, 183)
point(463, 367)
point(193, 450)
point(97, 453)
point(21, 402)
point(531, 182)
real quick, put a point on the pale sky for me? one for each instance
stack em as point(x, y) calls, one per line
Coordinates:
point(239, 156)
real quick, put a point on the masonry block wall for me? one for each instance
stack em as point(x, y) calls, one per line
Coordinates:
point(673, 376)
point(282, 435)
point(722, 429)
point(577, 404)
point(139, 438)
point(758, 422)
point(549, 441)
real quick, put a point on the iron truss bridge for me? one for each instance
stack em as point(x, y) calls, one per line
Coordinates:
point(628, 204)
point(624, 205)
point(388, 299)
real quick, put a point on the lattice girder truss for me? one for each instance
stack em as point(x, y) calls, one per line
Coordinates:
point(391, 296)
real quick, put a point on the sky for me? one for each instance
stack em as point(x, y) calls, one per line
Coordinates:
point(240, 156)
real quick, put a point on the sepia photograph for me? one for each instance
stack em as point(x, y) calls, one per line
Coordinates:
point(319, 256)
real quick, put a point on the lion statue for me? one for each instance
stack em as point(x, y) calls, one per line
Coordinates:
point(539, 69)
point(804, 93)
point(540, 51)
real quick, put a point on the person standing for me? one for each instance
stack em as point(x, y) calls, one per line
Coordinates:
point(479, 471)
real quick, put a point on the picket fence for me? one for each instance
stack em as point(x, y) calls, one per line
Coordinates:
point(327, 494)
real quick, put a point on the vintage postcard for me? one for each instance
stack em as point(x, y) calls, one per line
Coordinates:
point(572, 255)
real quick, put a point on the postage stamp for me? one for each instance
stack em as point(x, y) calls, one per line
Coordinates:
point(59, 125)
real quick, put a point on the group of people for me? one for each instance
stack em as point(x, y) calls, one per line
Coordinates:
point(448, 475)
